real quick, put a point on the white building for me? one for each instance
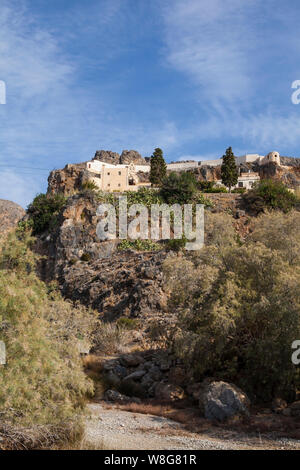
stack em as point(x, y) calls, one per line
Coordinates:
point(245, 180)
point(248, 158)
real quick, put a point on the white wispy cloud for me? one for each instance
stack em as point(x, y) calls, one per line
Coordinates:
point(204, 42)
point(51, 118)
point(233, 53)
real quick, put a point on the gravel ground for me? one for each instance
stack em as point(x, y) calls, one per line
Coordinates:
point(115, 429)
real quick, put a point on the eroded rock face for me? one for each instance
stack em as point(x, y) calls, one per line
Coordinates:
point(107, 156)
point(118, 285)
point(10, 214)
point(94, 272)
point(289, 175)
point(66, 180)
point(207, 173)
point(132, 156)
point(220, 400)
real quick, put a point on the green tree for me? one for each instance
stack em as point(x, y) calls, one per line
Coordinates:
point(229, 171)
point(179, 188)
point(158, 167)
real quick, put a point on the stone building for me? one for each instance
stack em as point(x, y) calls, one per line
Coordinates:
point(119, 177)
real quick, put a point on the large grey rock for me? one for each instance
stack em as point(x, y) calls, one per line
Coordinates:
point(220, 400)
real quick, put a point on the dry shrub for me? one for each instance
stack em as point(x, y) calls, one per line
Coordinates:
point(39, 437)
point(110, 338)
point(190, 418)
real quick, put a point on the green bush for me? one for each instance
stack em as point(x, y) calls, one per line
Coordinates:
point(86, 257)
point(239, 190)
point(43, 211)
point(209, 187)
point(127, 323)
point(270, 194)
point(176, 244)
point(205, 185)
point(138, 245)
point(146, 196)
point(238, 306)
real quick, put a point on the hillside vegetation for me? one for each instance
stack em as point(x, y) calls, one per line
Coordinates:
point(43, 385)
point(238, 305)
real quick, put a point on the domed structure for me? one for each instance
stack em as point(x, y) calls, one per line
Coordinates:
point(272, 157)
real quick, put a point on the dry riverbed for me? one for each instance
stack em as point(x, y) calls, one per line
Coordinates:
point(114, 429)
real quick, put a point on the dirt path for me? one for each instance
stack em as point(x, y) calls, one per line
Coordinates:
point(116, 429)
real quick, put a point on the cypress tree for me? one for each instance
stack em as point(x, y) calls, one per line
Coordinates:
point(158, 167)
point(229, 170)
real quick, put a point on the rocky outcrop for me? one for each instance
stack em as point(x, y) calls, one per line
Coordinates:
point(123, 284)
point(289, 175)
point(132, 156)
point(67, 180)
point(207, 173)
point(107, 156)
point(290, 161)
point(148, 374)
point(127, 156)
point(10, 214)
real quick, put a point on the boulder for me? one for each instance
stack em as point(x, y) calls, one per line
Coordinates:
point(168, 392)
point(116, 397)
point(131, 360)
point(220, 400)
point(136, 375)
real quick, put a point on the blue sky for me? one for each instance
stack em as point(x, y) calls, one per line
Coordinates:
point(189, 76)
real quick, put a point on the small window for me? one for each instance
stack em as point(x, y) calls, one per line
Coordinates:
point(108, 173)
point(108, 185)
point(119, 185)
point(241, 184)
point(119, 173)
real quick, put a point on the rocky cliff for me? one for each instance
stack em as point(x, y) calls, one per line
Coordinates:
point(288, 174)
point(10, 214)
point(67, 180)
point(116, 283)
